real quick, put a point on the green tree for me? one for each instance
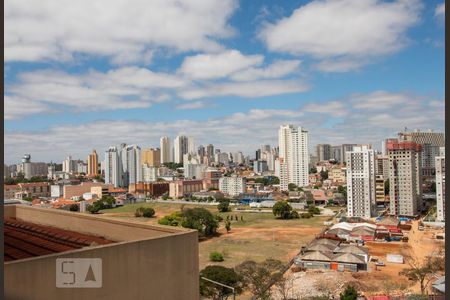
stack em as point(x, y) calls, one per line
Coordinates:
point(259, 276)
point(422, 270)
point(228, 225)
point(349, 293)
point(224, 206)
point(313, 170)
point(73, 207)
point(220, 274)
point(294, 215)
point(282, 209)
point(201, 219)
point(292, 187)
point(29, 199)
point(215, 256)
point(324, 175)
point(95, 207)
point(148, 212)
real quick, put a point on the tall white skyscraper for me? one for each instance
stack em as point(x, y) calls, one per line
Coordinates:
point(133, 164)
point(191, 145)
point(440, 187)
point(180, 148)
point(113, 168)
point(294, 157)
point(361, 197)
point(164, 145)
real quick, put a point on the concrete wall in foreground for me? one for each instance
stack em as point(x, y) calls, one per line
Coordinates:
point(159, 267)
point(116, 230)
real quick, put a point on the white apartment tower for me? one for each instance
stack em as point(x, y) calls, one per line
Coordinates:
point(164, 145)
point(440, 187)
point(233, 186)
point(361, 197)
point(180, 148)
point(405, 178)
point(133, 166)
point(294, 157)
point(113, 168)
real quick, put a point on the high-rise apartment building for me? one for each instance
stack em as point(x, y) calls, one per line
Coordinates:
point(336, 153)
point(201, 151)
point(164, 145)
point(361, 196)
point(132, 165)
point(405, 178)
point(440, 188)
point(294, 157)
point(233, 186)
point(151, 157)
point(382, 166)
point(238, 158)
point(180, 148)
point(113, 167)
point(191, 145)
point(69, 165)
point(323, 152)
point(431, 142)
point(92, 169)
point(149, 173)
point(344, 149)
point(210, 152)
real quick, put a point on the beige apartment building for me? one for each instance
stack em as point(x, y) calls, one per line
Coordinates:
point(405, 178)
point(151, 157)
point(137, 260)
point(92, 169)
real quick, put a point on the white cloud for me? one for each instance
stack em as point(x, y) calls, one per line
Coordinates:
point(125, 31)
point(191, 105)
point(332, 108)
point(277, 69)
point(16, 107)
point(350, 31)
point(123, 88)
point(211, 66)
point(252, 89)
point(133, 87)
point(379, 100)
point(240, 131)
point(440, 10)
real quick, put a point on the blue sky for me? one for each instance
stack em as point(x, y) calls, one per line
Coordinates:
point(79, 76)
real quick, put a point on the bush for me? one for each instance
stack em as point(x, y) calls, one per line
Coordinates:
point(223, 206)
point(349, 293)
point(173, 219)
point(95, 207)
point(314, 210)
point(306, 215)
point(294, 215)
point(215, 256)
point(73, 207)
point(148, 212)
point(139, 212)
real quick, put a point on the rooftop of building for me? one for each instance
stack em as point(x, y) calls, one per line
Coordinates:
point(26, 239)
point(31, 232)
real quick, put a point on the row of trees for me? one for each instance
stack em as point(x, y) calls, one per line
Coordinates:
point(197, 218)
point(258, 278)
point(22, 179)
point(283, 210)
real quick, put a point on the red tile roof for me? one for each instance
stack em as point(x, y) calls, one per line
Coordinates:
point(24, 240)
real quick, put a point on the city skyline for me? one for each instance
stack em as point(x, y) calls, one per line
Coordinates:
point(228, 80)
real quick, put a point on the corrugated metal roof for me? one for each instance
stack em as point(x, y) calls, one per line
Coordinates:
point(317, 256)
point(348, 258)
